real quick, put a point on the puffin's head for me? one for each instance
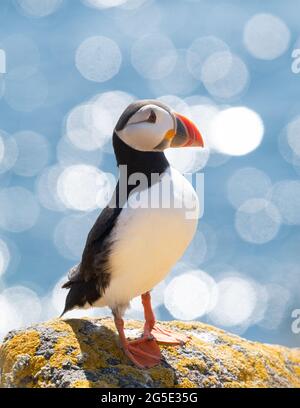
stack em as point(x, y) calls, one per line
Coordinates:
point(150, 126)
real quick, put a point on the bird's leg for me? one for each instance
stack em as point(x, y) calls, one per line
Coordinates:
point(144, 353)
point(151, 329)
point(149, 315)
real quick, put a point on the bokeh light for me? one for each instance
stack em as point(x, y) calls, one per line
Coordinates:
point(212, 287)
point(132, 4)
point(285, 148)
point(25, 88)
point(266, 36)
point(68, 154)
point(236, 302)
point(22, 55)
point(216, 66)
point(286, 196)
point(27, 93)
point(89, 126)
point(278, 302)
point(179, 81)
point(217, 159)
point(200, 50)
point(174, 102)
point(20, 306)
point(293, 136)
point(189, 160)
point(36, 8)
point(2, 82)
point(4, 256)
point(79, 127)
point(33, 153)
point(9, 152)
point(236, 131)
point(153, 56)
point(84, 188)
point(107, 108)
point(225, 75)
point(19, 209)
point(203, 246)
point(1, 149)
point(70, 234)
point(248, 183)
point(58, 295)
point(46, 188)
point(102, 4)
point(187, 297)
point(257, 221)
point(135, 23)
point(98, 58)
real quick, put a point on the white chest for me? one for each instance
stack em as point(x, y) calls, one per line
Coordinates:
point(151, 235)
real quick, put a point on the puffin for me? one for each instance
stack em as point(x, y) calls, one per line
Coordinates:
point(145, 228)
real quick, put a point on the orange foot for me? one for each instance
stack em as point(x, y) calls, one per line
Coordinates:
point(143, 352)
point(166, 336)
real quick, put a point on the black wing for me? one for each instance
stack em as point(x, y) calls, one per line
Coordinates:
point(88, 280)
point(97, 246)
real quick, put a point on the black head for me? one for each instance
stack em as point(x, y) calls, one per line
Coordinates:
point(149, 125)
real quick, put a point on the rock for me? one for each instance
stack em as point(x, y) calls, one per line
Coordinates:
point(86, 353)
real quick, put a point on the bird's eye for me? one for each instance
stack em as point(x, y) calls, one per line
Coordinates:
point(152, 117)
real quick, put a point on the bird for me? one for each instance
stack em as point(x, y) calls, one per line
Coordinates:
point(144, 230)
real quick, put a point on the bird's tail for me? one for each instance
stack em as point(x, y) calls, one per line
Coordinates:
point(81, 294)
point(67, 285)
point(73, 277)
point(74, 297)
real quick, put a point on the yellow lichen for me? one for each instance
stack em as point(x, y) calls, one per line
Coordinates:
point(90, 384)
point(163, 376)
point(60, 356)
point(21, 344)
point(126, 370)
point(81, 384)
point(93, 346)
point(186, 383)
point(187, 364)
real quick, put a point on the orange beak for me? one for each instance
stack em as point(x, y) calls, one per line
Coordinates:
point(187, 133)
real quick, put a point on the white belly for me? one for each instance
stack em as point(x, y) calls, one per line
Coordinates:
point(149, 241)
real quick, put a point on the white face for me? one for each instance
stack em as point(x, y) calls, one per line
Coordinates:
point(147, 128)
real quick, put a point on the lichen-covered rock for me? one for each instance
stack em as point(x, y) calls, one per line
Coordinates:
point(86, 353)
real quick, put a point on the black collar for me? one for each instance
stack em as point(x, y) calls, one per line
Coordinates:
point(137, 161)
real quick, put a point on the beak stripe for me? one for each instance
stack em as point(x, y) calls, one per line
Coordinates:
point(195, 137)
